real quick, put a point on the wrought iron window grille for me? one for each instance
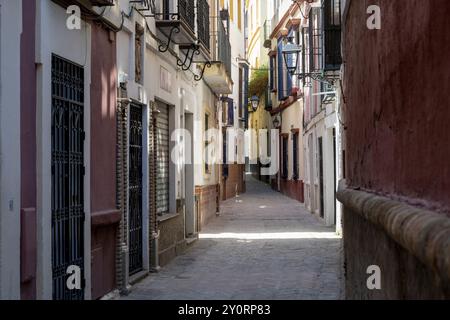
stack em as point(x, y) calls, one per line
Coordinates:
point(319, 53)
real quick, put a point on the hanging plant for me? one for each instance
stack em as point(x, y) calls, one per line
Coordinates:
point(258, 82)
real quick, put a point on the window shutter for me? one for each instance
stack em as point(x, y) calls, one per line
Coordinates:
point(285, 158)
point(245, 104)
point(272, 79)
point(225, 157)
point(231, 112)
point(162, 164)
point(289, 78)
point(281, 93)
point(291, 64)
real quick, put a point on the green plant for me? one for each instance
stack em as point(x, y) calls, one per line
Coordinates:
point(259, 81)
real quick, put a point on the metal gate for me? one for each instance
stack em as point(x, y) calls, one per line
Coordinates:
point(162, 164)
point(67, 188)
point(321, 179)
point(135, 190)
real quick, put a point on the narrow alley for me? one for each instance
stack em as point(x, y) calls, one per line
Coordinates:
point(263, 246)
point(224, 150)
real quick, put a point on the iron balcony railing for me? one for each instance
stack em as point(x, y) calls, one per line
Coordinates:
point(173, 10)
point(186, 12)
point(332, 35)
point(332, 41)
point(100, 3)
point(203, 28)
point(224, 46)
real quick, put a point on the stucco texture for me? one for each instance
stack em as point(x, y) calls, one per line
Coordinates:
point(396, 88)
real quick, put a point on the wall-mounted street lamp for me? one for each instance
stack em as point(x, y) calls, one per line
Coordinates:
point(276, 122)
point(291, 54)
point(255, 103)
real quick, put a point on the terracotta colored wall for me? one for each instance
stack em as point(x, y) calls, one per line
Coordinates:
point(207, 204)
point(28, 251)
point(397, 85)
point(293, 189)
point(396, 114)
point(105, 215)
point(235, 179)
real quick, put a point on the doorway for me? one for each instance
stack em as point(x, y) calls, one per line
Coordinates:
point(335, 175)
point(191, 229)
point(321, 180)
point(135, 190)
point(68, 171)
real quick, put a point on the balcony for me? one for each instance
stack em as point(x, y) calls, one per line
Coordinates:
point(203, 29)
point(85, 5)
point(175, 20)
point(102, 3)
point(218, 77)
point(267, 32)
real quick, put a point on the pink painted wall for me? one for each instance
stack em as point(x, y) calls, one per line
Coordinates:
point(397, 112)
point(28, 251)
point(105, 215)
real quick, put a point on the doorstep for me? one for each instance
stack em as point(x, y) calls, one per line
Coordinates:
point(113, 295)
point(191, 239)
point(138, 277)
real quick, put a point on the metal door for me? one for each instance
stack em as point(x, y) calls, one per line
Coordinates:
point(322, 209)
point(162, 163)
point(135, 190)
point(335, 175)
point(67, 188)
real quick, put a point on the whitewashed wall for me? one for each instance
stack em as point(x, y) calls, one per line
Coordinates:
point(74, 45)
point(10, 30)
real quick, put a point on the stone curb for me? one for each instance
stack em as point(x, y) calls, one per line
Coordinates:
point(423, 233)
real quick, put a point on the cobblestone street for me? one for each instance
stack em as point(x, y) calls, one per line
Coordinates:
point(263, 246)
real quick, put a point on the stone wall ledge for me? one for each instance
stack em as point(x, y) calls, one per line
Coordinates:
point(423, 233)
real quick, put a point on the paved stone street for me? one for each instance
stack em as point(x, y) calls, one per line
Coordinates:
point(263, 246)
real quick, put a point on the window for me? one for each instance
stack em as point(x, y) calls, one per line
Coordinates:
point(241, 93)
point(225, 157)
point(284, 77)
point(285, 158)
point(298, 42)
point(332, 34)
point(315, 41)
point(295, 155)
point(280, 69)
point(272, 75)
point(230, 110)
point(268, 99)
point(207, 167)
point(245, 95)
